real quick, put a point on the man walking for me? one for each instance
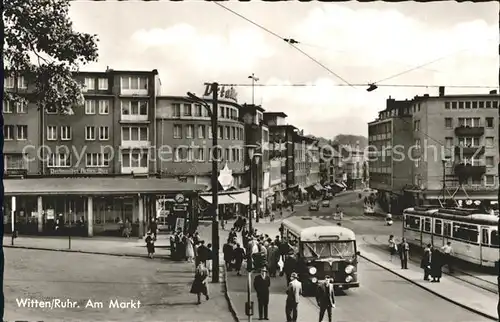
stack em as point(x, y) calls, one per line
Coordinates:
point(448, 251)
point(261, 283)
point(293, 292)
point(404, 253)
point(325, 297)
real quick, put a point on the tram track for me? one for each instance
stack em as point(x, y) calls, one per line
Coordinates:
point(460, 275)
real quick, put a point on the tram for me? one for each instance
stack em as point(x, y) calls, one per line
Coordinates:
point(474, 235)
point(322, 249)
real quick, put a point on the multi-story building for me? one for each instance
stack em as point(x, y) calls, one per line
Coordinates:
point(184, 136)
point(353, 160)
point(389, 172)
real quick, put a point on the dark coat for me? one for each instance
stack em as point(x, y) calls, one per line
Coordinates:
point(150, 244)
point(203, 253)
point(426, 259)
point(261, 286)
point(227, 249)
point(325, 296)
point(198, 285)
point(290, 265)
point(436, 264)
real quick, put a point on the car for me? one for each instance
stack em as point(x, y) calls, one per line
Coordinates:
point(314, 206)
point(325, 203)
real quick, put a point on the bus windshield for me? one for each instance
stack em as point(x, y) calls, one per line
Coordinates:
point(329, 249)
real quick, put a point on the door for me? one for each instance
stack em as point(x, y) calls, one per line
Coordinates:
point(484, 242)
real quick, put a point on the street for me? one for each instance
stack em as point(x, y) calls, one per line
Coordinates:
point(161, 286)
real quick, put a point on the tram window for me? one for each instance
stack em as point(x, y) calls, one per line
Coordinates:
point(438, 226)
point(485, 237)
point(465, 232)
point(427, 225)
point(494, 238)
point(412, 222)
point(447, 229)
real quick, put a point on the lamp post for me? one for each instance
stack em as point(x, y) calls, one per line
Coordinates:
point(254, 79)
point(254, 158)
point(213, 113)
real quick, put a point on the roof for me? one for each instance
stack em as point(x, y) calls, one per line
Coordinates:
point(275, 114)
point(188, 100)
point(95, 186)
point(312, 228)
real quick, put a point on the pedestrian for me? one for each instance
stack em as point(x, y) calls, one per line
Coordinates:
point(239, 256)
point(261, 284)
point(153, 227)
point(404, 253)
point(293, 293)
point(436, 266)
point(393, 248)
point(189, 248)
point(150, 245)
point(127, 229)
point(209, 259)
point(325, 298)
point(200, 283)
point(202, 253)
point(227, 249)
point(448, 256)
point(273, 257)
point(172, 247)
point(426, 261)
point(290, 266)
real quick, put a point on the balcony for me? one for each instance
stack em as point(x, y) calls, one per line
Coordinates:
point(134, 118)
point(469, 131)
point(126, 144)
point(134, 92)
point(469, 150)
point(468, 170)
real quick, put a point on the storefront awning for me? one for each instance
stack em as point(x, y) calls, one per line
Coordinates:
point(222, 199)
point(243, 198)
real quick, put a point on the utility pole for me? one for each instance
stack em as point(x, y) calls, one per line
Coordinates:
point(215, 183)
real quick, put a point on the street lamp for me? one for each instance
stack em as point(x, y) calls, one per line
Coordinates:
point(254, 158)
point(212, 112)
point(254, 79)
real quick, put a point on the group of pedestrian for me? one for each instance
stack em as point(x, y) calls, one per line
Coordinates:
point(182, 246)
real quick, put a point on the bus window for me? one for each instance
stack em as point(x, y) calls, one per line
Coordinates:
point(447, 229)
point(412, 222)
point(494, 238)
point(438, 226)
point(465, 232)
point(427, 225)
point(485, 237)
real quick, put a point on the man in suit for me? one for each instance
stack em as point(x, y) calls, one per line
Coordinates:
point(261, 283)
point(293, 293)
point(325, 297)
point(404, 253)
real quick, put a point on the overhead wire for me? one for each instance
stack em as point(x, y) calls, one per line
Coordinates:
point(360, 85)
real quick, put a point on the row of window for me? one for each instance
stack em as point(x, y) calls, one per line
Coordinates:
point(65, 133)
point(203, 132)
point(10, 107)
point(197, 110)
point(486, 180)
point(468, 121)
point(15, 132)
point(89, 84)
point(183, 154)
point(489, 142)
point(126, 83)
point(462, 231)
point(92, 107)
point(10, 82)
point(470, 104)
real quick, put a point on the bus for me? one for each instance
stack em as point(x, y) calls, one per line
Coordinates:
point(473, 234)
point(322, 249)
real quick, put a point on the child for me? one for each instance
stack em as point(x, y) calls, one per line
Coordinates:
point(150, 245)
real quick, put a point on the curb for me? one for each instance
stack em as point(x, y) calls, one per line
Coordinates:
point(228, 298)
point(491, 317)
point(76, 251)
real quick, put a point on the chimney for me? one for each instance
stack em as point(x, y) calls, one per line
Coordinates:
point(493, 92)
point(441, 90)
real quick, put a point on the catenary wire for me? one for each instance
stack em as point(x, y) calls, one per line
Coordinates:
point(362, 85)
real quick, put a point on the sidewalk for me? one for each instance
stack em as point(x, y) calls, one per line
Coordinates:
point(477, 300)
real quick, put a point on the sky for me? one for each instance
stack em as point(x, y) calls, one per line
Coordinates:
point(194, 42)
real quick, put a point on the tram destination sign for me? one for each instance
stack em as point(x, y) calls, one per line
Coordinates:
point(82, 171)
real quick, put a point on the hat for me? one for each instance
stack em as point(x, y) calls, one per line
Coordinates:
point(294, 275)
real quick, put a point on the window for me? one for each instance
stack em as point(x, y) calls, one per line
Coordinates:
point(438, 226)
point(103, 107)
point(135, 133)
point(474, 104)
point(233, 133)
point(189, 131)
point(51, 133)
point(489, 180)
point(227, 133)
point(200, 155)
point(7, 107)
point(460, 104)
point(454, 105)
point(89, 84)
point(198, 110)
point(490, 161)
point(134, 159)
point(22, 132)
point(467, 105)
point(447, 105)
point(447, 229)
point(449, 142)
point(89, 133)
point(201, 131)
point(65, 133)
point(14, 161)
point(8, 132)
point(488, 104)
point(465, 232)
point(468, 141)
point(489, 142)
point(471, 161)
point(469, 121)
point(427, 225)
point(416, 125)
point(489, 122)
point(134, 82)
point(181, 154)
point(210, 132)
point(134, 107)
point(97, 160)
point(219, 132)
point(176, 110)
point(103, 133)
point(412, 222)
point(481, 104)
point(90, 107)
point(103, 84)
point(494, 238)
point(9, 82)
point(59, 160)
point(485, 236)
point(177, 131)
point(21, 82)
point(21, 108)
point(228, 155)
point(221, 111)
point(495, 104)
point(187, 110)
point(448, 123)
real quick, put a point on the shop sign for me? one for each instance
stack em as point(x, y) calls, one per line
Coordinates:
point(49, 214)
point(226, 177)
point(73, 171)
point(224, 92)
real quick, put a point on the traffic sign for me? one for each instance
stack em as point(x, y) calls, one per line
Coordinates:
point(226, 177)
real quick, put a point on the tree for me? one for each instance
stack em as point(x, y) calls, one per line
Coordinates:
point(41, 45)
